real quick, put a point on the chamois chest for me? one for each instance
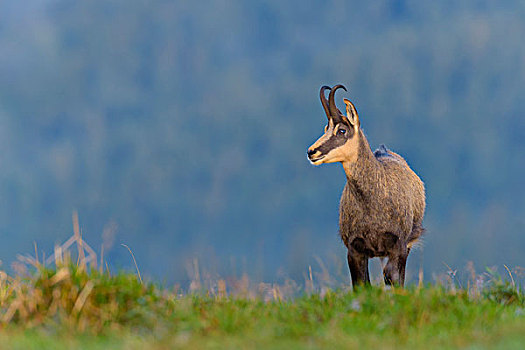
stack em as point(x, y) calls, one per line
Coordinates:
point(377, 217)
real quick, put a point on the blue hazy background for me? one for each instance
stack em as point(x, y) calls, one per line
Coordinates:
point(180, 128)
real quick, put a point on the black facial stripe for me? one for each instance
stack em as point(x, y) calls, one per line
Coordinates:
point(330, 144)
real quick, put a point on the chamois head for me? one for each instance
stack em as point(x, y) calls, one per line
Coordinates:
point(340, 140)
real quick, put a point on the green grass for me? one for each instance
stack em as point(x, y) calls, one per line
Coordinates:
point(67, 307)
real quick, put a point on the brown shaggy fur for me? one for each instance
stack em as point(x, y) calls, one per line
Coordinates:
point(381, 212)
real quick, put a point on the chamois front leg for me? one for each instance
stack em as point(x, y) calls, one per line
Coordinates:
point(358, 264)
point(394, 271)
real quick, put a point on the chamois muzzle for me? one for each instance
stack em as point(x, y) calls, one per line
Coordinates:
point(314, 156)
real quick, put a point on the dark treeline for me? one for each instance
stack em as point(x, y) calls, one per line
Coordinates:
point(180, 127)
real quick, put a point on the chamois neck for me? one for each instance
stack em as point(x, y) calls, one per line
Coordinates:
point(366, 165)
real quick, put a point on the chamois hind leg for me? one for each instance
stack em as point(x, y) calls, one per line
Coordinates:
point(394, 271)
point(358, 264)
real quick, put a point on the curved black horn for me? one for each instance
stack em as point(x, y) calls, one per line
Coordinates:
point(324, 101)
point(333, 108)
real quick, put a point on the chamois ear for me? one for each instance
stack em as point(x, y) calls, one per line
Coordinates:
point(351, 114)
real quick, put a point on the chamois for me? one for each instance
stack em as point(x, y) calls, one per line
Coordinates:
point(383, 202)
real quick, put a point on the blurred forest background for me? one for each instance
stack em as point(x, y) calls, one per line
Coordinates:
point(180, 128)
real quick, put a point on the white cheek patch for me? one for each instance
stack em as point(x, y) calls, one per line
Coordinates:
point(331, 154)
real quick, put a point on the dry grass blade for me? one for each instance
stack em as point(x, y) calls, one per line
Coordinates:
point(134, 261)
point(452, 277)
point(92, 256)
point(59, 276)
point(221, 289)
point(28, 260)
point(36, 252)
point(82, 248)
point(101, 258)
point(511, 278)
point(60, 249)
point(11, 311)
point(82, 297)
point(420, 277)
point(78, 238)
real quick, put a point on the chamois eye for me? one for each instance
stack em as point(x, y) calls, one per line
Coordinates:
point(342, 131)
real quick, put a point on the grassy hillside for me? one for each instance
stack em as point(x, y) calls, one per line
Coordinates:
point(75, 306)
